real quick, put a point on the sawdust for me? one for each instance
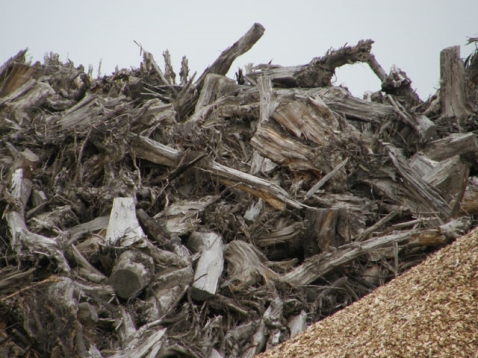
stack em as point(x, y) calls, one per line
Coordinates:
point(430, 311)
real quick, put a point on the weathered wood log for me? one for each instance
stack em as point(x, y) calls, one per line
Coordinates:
point(246, 266)
point(318, 265)
point(452, 85)
point(167, 288)
point(9, 81)
point(321, 233)
point(123, 227)
point(209, 266)
point(21, 237)
point(313, 121)
point(419, 189)
point(318, 72)
point(154, 229)
point(76, 232)
point(425, 128)
point(398, 84)
point(297, 323)
point(463, 144)
point(132, 272)
point(92, 108)
point(221, 66)
point(215, 86)
point(21, 102)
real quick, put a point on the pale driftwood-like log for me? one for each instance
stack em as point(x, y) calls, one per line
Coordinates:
point(27, 98)
point(87, 269)
point(76, 232)
point(452, 85)
point(318, 72)
point(21, 237)
point(340, 100)
point(318, 265)
point(271, 193)
point(215, 86)
point(281, 235)
point(450, 177)
point(375, 227)
point(91, 108)
point(20, 75)
point(297, 323)
point(462, 144)
point(223, 63)
point(184, 206)
point(314, 122)
point(221, 66)
point(246, 266)
point(168, 287)
point(209, 266)
point(132, 272)
point(123, 227)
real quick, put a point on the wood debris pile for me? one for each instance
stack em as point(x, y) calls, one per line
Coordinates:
point(218, 217)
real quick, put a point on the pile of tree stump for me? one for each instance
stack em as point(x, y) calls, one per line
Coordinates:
point(149, 216)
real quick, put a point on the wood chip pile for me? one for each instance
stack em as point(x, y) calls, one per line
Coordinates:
point(145, 215)
point(430, 311)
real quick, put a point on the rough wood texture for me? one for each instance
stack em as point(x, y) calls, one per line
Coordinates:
point(144, 218)
point(131, 273)
point(453, 98)
point(209, 266)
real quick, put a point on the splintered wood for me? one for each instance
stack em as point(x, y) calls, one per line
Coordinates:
point(220, 217)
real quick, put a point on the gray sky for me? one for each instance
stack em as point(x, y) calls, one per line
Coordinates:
point(408, 33)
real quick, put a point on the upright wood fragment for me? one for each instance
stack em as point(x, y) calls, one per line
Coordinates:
point(209, 266)
point(297, 323)
point(452, 85)
point(123, 228)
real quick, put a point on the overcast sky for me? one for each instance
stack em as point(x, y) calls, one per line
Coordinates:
point(408, 33)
